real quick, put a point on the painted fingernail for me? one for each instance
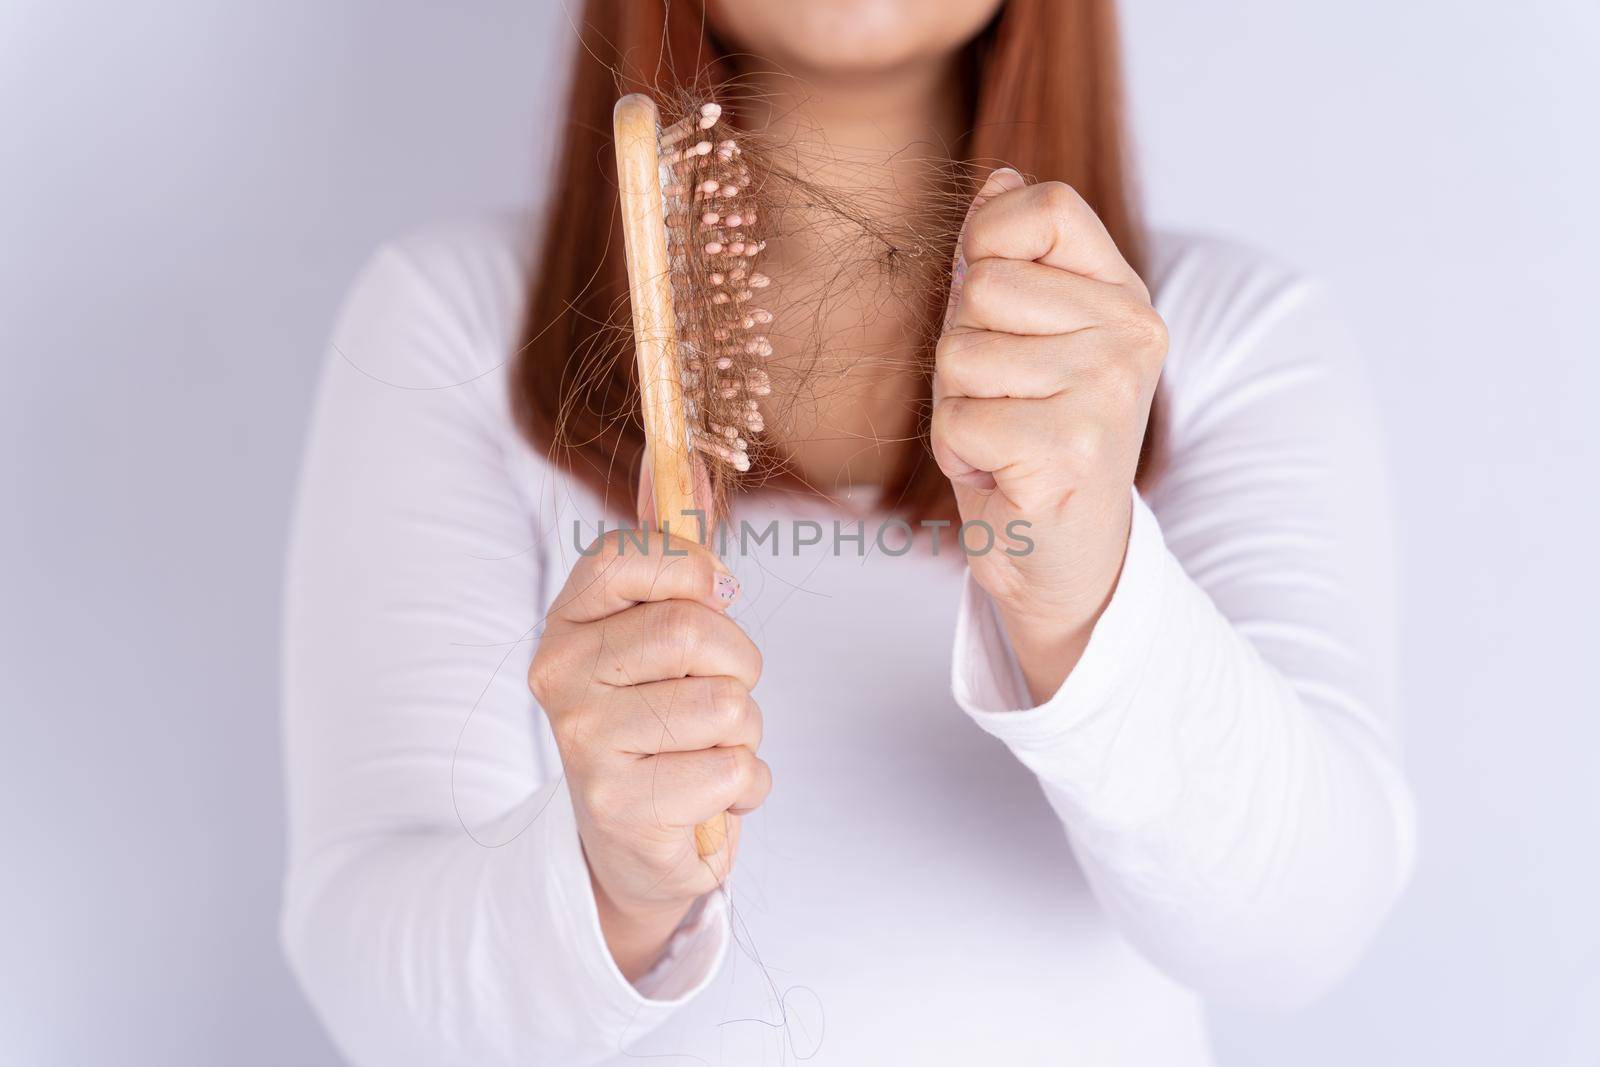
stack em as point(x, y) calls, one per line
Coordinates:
point(727, 587)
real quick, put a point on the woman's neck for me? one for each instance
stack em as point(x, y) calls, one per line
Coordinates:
point(848, 331)
point(912, 110)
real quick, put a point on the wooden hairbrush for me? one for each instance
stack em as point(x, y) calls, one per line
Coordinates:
point(687, 227)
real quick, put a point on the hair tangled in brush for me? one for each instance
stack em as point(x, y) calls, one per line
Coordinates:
point(855, 256)
point(712, 245)
point(1042, 87)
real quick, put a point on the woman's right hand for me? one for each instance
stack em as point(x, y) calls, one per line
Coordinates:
point(646, 682)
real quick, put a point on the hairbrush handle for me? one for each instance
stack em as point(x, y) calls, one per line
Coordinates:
point(636, 123)
point(655, 339)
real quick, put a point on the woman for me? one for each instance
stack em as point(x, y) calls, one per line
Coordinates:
point(1188, 789)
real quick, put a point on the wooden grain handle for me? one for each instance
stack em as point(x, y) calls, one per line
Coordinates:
point(636, 124)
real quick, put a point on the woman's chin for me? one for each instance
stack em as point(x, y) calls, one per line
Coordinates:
point(846, 38)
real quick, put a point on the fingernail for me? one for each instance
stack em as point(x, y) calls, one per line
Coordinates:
point(1002, 180)
point(726, 587)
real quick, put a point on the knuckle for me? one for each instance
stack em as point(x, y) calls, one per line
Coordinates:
point(722, 773)
point(599, 795)
point(950, 423)
point(683, 626)
point(701, 566)
point(751, 715)
point(958, 356)
point(947, 415)
point(606, 550)
point(758, 662)
point(1059, 198)
point(590, 574)
point(1123, 383)
point(1084, 446)
point(542, 676)
point(982, 281)
point(575, 742)
point(658, 567)
point(1146, 329)
point(726, 704)
point(939, 420)
point(738, 771)
point(761, 776)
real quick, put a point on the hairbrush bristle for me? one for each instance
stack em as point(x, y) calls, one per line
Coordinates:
point(712, 243)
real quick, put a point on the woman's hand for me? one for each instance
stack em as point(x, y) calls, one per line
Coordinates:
point(646, 683)
point(1042, 388)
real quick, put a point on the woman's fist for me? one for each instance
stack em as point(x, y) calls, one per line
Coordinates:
point(646, 683)
point(1042, 387)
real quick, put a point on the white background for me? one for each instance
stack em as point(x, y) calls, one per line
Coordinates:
point(185, 190)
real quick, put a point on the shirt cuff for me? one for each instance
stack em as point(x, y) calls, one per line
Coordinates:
point(693, 954)
point(691, 960)
point(988, 682)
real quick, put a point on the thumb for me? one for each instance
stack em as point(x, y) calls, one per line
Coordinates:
point(1001, 180)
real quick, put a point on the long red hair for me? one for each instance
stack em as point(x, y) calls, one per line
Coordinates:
point(1044, 91)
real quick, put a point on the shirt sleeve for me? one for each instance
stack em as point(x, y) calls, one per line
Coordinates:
point(438, 908)
point(1223, 756)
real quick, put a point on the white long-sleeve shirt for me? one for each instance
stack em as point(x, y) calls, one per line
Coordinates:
point(1210, 807)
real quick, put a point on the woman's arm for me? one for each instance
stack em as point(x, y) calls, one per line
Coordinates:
point(1214, 725)
point(438, 908)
